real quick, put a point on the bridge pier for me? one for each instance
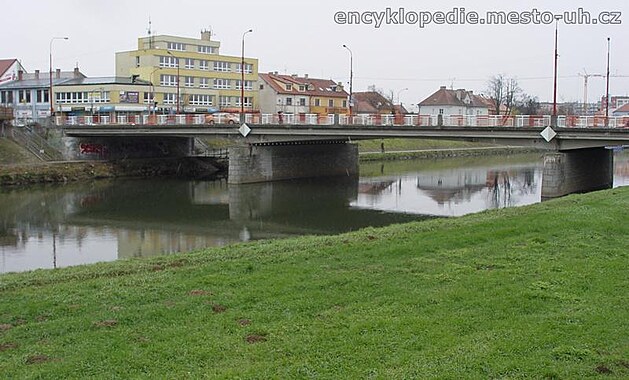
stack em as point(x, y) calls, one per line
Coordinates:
point(261, 163)
point(577, 171)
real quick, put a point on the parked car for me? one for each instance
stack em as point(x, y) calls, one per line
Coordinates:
point(222, 118)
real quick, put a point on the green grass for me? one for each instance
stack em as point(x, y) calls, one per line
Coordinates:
point(533, 292)
point(12, 153)
point(391, 145)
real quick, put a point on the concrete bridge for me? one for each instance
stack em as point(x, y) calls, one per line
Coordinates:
point(276, 147)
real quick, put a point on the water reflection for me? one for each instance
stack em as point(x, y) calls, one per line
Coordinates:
point(58, 226)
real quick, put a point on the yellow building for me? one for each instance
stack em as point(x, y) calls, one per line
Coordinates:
point(189, 74)
point(102, 95)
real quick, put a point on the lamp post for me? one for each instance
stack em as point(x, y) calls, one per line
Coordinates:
point(351, 79)
point(172, 55)
point(607, 88)
point(242, 76)
point(554, 116)
point(50, 96)
point(398, 94)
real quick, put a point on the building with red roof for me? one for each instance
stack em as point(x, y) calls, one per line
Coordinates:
point(301, 95)
point(454, 102)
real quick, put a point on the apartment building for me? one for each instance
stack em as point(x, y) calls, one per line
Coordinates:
point(190, 74)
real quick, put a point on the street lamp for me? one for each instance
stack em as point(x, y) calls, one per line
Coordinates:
point(351, 79)
point(398, 94)
point(172, 55)
point(554, 117)
point(607, 88)
point(50, 97)
point(242, 76)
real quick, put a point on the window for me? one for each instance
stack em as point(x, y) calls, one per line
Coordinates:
point(221, 83)
point(167, 80)
point(302, 102)
point(289, 101)
point(317, 102)
point(224, 101)
point(168, 61)
point(206, 49)
point(261, 87)
point(344, 103)
point(440, 111)
point(176, 46)
point(248, 68)
point(24, 96)
point(204, 65)
point(248, 85)
point(221, 66)
point(148, 97)
point(85, 97)
point(289, 87)
point(201, 100)
point(137, 61)
point(330, 102)
point(204, 82)
point(42, 96)
point(189, 63)
point(6, 97)
point(170, 98)
point(189, 81)
point(302, 87)
point(248, 101)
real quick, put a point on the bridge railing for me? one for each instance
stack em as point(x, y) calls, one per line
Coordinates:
point(519, 121)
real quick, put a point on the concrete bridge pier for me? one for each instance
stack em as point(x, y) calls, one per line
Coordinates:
point(577, 171)
point(272, 162)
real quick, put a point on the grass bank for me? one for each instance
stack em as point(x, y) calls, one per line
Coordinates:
point(531, 292)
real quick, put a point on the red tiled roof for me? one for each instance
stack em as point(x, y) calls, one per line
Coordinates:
point(321, 87)
point(5, 64)
point(445, 97)
point(624, 108)
point(371, 102)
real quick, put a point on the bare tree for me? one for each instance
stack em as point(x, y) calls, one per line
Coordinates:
point(504, 91)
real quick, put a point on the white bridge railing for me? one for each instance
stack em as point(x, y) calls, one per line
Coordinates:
point(519, 121)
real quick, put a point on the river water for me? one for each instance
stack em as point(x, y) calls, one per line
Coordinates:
point(63, 225)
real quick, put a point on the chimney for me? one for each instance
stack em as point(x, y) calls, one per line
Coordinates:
point(58, 73)
point(442, 87)
point(294, 75)
point(76, 73)
point(20, 75)
point(206, 35)
point(306, 76)
point(36, 74)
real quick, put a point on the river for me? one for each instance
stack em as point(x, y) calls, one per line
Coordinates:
point(56, 226)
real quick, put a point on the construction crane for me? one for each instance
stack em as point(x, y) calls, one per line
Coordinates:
point(585, 76)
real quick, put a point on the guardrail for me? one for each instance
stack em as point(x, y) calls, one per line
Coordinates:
point(519, 121)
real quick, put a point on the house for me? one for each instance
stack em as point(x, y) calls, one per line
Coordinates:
point(453, 102)
point(622, 111)
point(372, 102)
point(9, 69)
point(190, 74)
point(301, 95)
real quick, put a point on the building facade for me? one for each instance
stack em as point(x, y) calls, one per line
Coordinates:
point(28, 96)
point(9, 69)
point(103, 95)
point(453, 102)
point(190, 74)
point(301, 95)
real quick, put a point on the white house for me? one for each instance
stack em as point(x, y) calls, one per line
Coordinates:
point(453, 102)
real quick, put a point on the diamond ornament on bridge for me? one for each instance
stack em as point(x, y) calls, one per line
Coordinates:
point(548, 134)
point(244, 129)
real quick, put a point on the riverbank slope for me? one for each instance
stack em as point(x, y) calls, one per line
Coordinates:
point(535, 292)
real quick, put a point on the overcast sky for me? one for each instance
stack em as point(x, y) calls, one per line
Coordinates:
point(303, 37)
